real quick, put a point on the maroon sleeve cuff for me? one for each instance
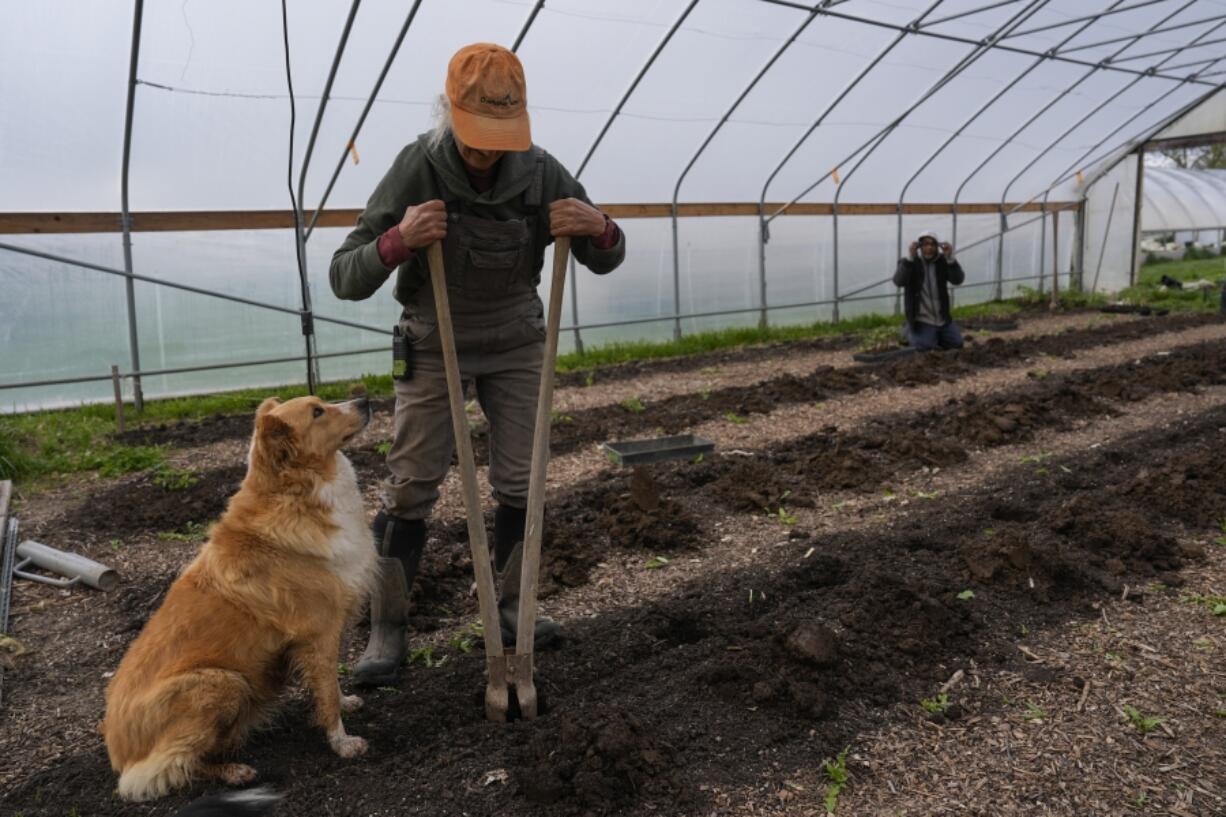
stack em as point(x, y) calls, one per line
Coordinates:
point(392, 251)
point(609, 238)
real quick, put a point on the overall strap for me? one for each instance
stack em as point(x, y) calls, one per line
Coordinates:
point(535, 193)
point(451, 200)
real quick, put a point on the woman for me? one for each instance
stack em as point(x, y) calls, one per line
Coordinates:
point(495, 201)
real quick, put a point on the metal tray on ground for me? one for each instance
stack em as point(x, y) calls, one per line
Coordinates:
point(882, 357)
point(637, 452)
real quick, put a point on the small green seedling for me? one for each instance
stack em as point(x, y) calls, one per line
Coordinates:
point(633, 405)
point(589, 379)
point(699, 457)
point(174, 479)
point(115, 544)
point(1143, 724)
point(342, 669)
point(383, 448)
point(656, 562)
point(836, 771)
point(783, 516)
point(192, 532)
point(732, 417)
point(1034, 712)
point(966, 595)
point(1220, 540)
point(466, 640)
point(927, 494)
point(937, 705)
point(425, 655)
point(557, 418)
point(705, 394)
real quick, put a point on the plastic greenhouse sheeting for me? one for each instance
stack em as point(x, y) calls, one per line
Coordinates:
point(1183, 200)
point(842, 103)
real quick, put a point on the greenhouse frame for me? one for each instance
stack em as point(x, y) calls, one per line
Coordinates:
point(148, 148)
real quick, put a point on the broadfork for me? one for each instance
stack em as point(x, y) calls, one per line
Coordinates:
point(506, 669)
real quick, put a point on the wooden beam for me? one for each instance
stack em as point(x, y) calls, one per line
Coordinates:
point(201, 220)
point(1196, 141)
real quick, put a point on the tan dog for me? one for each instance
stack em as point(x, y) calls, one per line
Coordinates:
point(269, 594)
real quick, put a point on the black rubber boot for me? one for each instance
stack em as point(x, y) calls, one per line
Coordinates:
point(508, 561)
point(399, 543)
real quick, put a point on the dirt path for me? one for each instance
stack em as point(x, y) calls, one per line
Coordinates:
point(816, 590)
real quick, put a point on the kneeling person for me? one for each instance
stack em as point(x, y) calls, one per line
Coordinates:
point(925, 275)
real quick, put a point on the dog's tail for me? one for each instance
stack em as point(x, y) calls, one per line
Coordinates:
point(165, 768)
point(250, 803)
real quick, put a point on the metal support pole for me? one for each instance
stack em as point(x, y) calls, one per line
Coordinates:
point(676, 280)
point(1091, 17)
point(1055, 259)
point(592, 149)
point(1000, 253)
point(1042, 250)
point(370, 101)
point(1050, 104)
point(763, 317)
point(763, 221)
point(1017, 19)
point(1159, 30)
point(118, 389)
point(1100, 106)
point(1079, 246)
point(1127, 147)
point(834, 224)
point(967, 123)
point(1136, 221)
point(523, 32)
point(308, 324)
point(711, 135)
point(999, 45)
point(138, 397)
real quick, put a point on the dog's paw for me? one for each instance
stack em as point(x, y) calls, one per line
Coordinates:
point(349, 746)
point(236, 774)
point(351, 703)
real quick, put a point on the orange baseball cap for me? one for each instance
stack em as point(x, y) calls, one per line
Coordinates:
point(489, 103)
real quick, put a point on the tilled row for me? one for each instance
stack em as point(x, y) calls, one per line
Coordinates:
point(716, 682)
point(588, 518)
point(796, 472)
point(867, 621)
point(630, 416)
point(671, 415)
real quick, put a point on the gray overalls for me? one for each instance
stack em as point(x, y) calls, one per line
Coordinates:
point(499, 335)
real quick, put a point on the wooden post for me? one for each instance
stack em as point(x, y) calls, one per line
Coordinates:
point(118, 398)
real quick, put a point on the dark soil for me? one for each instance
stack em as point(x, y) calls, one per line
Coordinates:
point(676, 413)
point(727, 681)
point(651, 702)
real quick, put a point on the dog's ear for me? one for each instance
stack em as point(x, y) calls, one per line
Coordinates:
point(268, 405)
point(275, 438)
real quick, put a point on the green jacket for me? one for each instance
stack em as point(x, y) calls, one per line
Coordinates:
point(357, 272)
